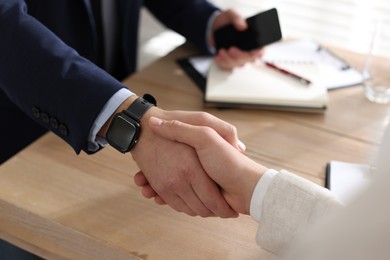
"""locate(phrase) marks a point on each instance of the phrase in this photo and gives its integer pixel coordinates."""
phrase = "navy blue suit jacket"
(47, 50)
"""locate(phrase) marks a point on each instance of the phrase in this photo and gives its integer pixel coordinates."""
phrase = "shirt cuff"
(208, 31)
(94, 141)
(259, 194)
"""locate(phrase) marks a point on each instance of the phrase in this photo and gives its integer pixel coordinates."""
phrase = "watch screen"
(122, 133)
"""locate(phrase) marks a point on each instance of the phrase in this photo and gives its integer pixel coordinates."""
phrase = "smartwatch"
(124, 129)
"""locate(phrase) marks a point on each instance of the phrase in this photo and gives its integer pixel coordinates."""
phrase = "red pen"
(288, 73)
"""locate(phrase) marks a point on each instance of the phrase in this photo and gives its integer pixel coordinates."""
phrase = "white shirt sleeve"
(94, 141)
(208, 30)
(259, 193)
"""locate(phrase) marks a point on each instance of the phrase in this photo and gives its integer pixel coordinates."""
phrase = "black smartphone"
(263, 28)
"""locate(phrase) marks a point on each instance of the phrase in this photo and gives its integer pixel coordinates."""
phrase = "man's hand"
(235, 173)
(232, 57)
(173, 171)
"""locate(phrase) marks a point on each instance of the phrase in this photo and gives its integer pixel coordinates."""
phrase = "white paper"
(347, 180)
(299, 52)
(336, 72)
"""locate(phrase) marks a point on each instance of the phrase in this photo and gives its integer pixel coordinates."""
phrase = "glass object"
(377, 70)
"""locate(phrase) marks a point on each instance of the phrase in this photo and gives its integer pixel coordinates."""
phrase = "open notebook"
(336, 72)
(258, 86)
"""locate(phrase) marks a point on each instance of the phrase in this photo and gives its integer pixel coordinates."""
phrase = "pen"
(288, 73)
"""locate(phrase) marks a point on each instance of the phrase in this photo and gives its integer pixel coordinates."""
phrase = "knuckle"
(174, 183)
(174, 123)
(208, 132)
(231, 130)
(171, 185)
(164, 187)
(204, 116)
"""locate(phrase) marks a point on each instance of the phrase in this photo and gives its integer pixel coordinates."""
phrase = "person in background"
(60, 70)
(287, 207)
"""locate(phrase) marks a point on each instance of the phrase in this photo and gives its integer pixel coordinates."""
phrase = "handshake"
(194, 162)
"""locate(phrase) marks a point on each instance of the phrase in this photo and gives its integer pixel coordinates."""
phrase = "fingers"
(234, 57)
(230, 16)
(200, 138)
(210, 194)
(159, 200)
(225, 130)
(148, 192)
(175, 130)
(203, 195)
(175, 185)
(183, 200)
(196, 193)
(140, 179)
(172, 171)
(236, 19)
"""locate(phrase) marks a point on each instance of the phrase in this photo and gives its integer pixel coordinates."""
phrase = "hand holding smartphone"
(263, 28)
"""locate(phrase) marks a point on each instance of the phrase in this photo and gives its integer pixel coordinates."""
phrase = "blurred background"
(348, 24)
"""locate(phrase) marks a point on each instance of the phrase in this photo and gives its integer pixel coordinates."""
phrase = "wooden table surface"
(66, 206)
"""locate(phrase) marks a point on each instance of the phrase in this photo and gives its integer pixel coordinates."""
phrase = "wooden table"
(60, 205)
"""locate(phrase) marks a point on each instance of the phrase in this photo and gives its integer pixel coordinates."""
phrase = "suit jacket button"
(63, 129)
(35, 112)
(54, 123)
(45, 118)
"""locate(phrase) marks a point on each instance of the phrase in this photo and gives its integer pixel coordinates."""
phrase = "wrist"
(254, 175)
(125, 104)
(259, 193)
(124, 128)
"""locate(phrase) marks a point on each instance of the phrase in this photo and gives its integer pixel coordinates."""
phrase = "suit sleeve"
(291, 206)
(47, 79)
(189, 17)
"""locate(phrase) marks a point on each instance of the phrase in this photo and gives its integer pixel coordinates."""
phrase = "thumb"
(175, 130)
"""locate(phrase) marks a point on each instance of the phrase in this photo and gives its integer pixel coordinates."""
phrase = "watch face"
(123, 133)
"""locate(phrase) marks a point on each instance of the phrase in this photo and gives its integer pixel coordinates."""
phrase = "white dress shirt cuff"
(259, 193)
(209, 31)
(94, 141)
